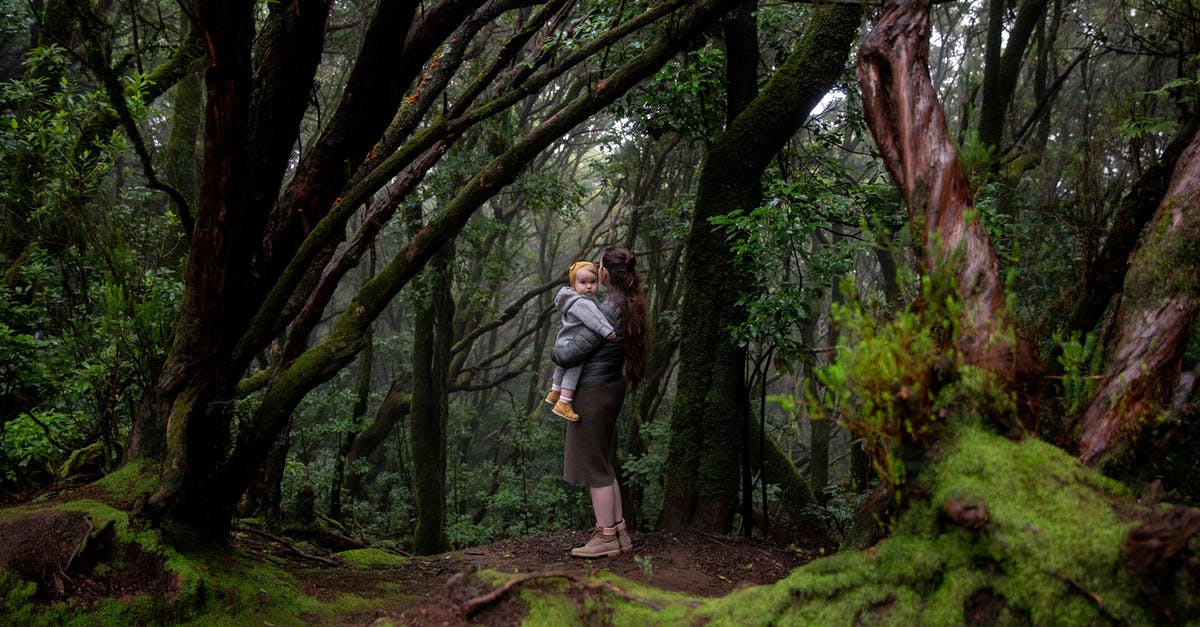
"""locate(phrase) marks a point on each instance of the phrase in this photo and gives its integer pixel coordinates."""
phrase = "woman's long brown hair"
(626, 286)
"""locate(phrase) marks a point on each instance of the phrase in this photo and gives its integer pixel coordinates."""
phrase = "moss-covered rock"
(371, 557)
(88, 461)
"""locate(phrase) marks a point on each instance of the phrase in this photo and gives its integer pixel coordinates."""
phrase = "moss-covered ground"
(995, 532)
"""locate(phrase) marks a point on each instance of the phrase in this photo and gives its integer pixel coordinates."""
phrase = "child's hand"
(612, 336)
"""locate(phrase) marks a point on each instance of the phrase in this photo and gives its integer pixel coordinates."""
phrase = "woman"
(592, 441)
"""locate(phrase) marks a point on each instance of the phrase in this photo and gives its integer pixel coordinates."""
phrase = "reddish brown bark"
(910, 129)
(1160, 300)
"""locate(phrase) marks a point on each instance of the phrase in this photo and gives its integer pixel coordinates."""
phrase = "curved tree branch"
(910, 129)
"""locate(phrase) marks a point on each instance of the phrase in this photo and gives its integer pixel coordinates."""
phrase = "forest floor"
(437, 590)
(431, 590)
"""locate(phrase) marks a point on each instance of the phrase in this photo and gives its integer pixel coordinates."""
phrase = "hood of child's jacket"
(563, 298)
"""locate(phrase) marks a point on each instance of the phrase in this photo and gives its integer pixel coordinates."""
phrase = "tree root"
(473, 606)
(291, 547)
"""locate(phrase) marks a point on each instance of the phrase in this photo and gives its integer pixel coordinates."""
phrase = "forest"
(921, 276)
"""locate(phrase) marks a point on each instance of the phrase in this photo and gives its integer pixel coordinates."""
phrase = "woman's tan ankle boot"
(623, 539)
(602, 543)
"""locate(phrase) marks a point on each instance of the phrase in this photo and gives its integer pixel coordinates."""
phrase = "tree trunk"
(357, 415)
(822, 427)
(796, 494)
(1001, 68)
(196, 381)
(183, 160)
(272, 479)
(1159, 303)
(909, 127)
(712, 400)
(1103, 276)
(427, 421)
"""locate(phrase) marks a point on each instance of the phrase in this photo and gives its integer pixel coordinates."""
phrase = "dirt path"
(435, 588)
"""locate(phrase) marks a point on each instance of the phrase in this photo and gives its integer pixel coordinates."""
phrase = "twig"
(1091, 596)
(79, 549)
(293, 548)
(82, 544)
(46, 429)
(715, 538)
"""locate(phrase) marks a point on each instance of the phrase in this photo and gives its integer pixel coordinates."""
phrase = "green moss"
(102, 514)
(239, 590)
(1039, 501)
(547, 609)
(645, 604)
(134, 479)
(617, 600)
(945, 605)
(90, 456)
(1049, 552)
(372, 557)
(16, 599)
(142, 610)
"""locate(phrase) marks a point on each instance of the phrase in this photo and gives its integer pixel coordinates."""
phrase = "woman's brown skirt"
(592, 442)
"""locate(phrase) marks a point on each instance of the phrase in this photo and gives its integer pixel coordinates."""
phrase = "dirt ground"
(440, 589)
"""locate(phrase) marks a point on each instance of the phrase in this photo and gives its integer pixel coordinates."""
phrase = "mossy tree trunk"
(182, 168)
(1104, 275)
(1160, 299)
(707, 422)
(712, 401)
(432, 334)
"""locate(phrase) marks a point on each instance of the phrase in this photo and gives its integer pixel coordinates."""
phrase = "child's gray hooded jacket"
(579, 314)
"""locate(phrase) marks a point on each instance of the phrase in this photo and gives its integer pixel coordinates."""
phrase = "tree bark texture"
(1103, 276)
(194, 382)
(712, 401)
(428, 416)
(1160, 299)
(910, 130)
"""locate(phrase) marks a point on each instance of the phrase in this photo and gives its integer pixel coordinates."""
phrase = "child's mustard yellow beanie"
(575, 267)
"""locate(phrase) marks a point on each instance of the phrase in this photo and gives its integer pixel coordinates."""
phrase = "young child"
(576, 303)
